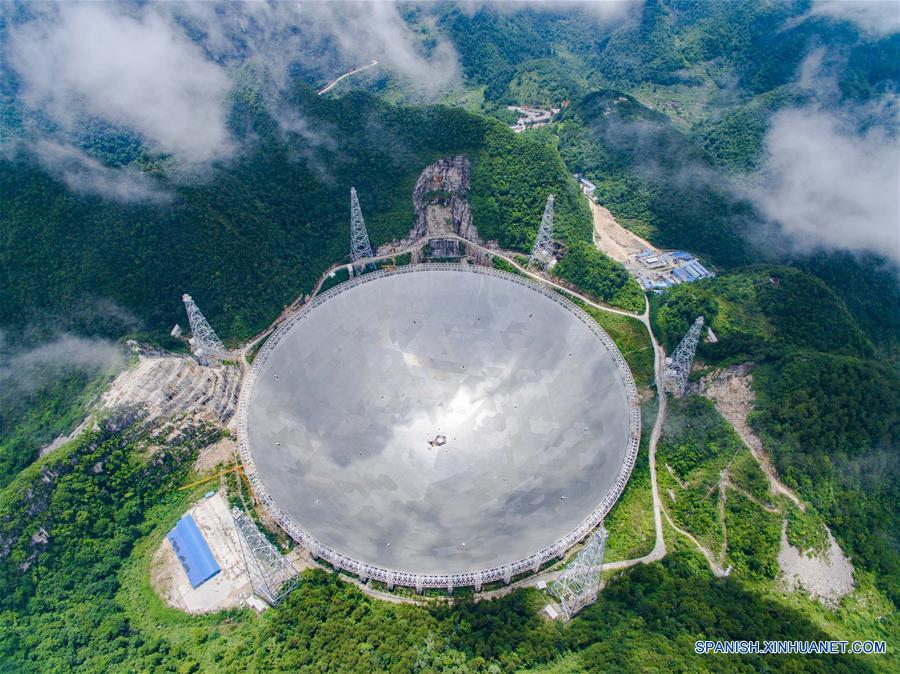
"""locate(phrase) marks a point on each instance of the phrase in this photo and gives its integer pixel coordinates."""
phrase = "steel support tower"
(578, 584)
(678, 365)
(271, 575)
(205, 343)
(543, 244)
(359, 237)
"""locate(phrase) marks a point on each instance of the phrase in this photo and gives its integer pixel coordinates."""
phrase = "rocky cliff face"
(441, 200)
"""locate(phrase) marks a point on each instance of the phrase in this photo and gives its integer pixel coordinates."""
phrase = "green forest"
(80, 528)
(600, 277)
(831, 422)
(245, 243)
(827, 404)
(261, 230)
(512, 177)
(32, 418)
(665, 107)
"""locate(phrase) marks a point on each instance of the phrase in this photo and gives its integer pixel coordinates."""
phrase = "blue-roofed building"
(701, 270)
(663, 269)
(193, 552)
(691, 274)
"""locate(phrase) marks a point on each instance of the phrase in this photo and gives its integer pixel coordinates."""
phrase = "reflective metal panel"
(440, 420)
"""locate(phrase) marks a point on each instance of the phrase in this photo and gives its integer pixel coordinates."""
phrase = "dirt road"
(731, 392)
(331, 85)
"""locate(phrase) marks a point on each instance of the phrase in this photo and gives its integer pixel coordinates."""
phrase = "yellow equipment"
(238, 469)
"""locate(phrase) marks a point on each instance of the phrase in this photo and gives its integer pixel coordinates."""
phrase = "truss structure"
(578, 584)
(678, 365)
(205, 343)
(359, 237)
(543, 245)
(271, 575)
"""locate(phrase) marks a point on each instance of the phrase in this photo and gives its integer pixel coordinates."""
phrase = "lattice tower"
(359, 238)
(205, 343)
(578, 584)
(543, 245)
(271, 575)
(678, 365)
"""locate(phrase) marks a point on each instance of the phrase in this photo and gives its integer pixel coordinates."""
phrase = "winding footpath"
(659, 368)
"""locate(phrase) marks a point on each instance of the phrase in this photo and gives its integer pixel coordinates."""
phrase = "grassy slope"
(698, 445)
(630, 522)
(631, 337)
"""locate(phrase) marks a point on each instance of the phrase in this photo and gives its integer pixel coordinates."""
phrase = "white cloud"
(137, 71)
(164, 72)
(376, 30)
(28, 369)
(278, 34)
(87, 175)
(877, 17)
(604, 10)
(829, 184)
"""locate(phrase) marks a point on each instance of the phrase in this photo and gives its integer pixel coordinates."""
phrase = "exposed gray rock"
(441, 200)
(826, 576)
(163, 386)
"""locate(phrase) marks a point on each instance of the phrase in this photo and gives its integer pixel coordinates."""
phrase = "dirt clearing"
(171, 385)
(616, 241)
(228, 588)
(218, 454)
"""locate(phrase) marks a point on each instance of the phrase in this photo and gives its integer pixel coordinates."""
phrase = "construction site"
(653, 268)
(531, 117)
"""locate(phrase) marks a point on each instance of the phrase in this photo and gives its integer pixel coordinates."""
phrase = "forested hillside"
(33, 416)
(653, 178)
(762, 311)
(245, 242)
(668, 107)
(701, 82)
(80, 528)
(827, 403)
(259, 231)
(832, 425)
(719, 67)
(600, 277)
